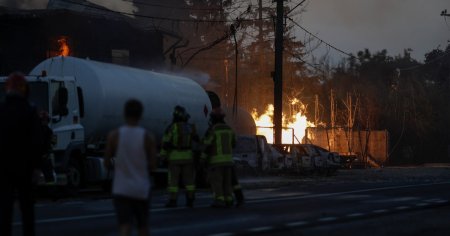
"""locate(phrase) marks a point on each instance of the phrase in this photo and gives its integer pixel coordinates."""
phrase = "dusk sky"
(352, 25)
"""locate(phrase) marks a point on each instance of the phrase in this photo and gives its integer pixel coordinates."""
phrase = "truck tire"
(74, 175)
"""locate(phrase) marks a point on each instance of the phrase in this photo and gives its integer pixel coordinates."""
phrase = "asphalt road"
(417, 207)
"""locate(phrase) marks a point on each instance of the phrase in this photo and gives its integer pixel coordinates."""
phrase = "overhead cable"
(427, 63)
(295, 7)
(321, 40)
(160, 18)
(143, 3)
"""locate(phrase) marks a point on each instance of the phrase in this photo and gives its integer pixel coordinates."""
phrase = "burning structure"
(30, 36)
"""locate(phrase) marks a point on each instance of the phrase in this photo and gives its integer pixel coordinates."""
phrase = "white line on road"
(356, 215)
(222, 234)
(296, 224)
(379, 211)
(260, 229)
(84, 217)
(402, 207)
(327, 219)
(345, 192)
(61, 219)
(422, 204)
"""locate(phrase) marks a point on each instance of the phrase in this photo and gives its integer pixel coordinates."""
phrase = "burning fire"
(294, 125)
(64, 49)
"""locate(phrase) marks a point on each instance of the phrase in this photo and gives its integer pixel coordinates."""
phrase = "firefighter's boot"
(190, 197)
(239, 197)
(218, 204)
(171, 203)
(172, 200)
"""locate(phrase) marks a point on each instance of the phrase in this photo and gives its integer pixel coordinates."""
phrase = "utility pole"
(278, 78)
(226, 83)
(333, 118)
(316, 110)
(260, 22)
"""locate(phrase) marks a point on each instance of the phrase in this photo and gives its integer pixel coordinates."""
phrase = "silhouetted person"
(177, 148)
(218, 149)
(20, 154)
(133, 149)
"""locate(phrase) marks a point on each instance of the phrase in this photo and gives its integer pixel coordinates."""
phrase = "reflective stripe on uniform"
(172, 189)
(190, 188)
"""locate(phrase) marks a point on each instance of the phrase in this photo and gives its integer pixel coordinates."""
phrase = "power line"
(158, 17)
(295, 7)
(427, 63)
(321, 40)
(307, 63)
(174, 7)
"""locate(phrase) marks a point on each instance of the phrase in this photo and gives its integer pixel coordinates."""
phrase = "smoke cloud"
(116, 5)
(353, 25)
(24, 4)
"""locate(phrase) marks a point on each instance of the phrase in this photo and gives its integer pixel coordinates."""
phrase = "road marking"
(399, 199)
(356, 215)
(327, 219)
(84, 217)
(61, 219)
(433, 200)
(296, 224)
(343, 193)
(73, 203)
(353, 196)
(442, 201)
(261, 229)
(379, 211)
(422, 204)
(222, 234)
(402, 207)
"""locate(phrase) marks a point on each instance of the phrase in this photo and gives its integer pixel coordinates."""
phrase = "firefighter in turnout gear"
(218, 146)
(177, 146)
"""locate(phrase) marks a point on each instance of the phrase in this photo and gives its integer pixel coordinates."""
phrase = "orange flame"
(294, 125)
(64, 49)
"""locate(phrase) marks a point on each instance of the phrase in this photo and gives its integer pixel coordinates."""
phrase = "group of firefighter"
(187, 154)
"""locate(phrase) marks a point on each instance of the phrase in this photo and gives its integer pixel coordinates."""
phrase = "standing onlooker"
(20, 147)
(134, 151)
(177, 145)
(218, 143)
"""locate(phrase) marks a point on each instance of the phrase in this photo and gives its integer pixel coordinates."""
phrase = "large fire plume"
(294, 126)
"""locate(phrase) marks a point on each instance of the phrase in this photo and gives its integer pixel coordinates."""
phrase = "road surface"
(413, 206)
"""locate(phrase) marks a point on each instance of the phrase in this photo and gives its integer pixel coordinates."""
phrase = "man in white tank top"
(135, 157)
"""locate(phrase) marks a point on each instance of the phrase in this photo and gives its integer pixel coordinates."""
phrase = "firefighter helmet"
(217, 115)
(180, 114)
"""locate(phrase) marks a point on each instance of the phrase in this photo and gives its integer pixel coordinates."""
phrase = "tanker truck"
(85, 99)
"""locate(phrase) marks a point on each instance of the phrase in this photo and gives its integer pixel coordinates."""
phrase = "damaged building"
(84, 31)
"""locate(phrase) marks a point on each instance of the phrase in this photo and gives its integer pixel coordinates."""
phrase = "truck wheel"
(74, 175)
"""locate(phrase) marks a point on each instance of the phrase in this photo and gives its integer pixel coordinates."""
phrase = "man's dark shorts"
(129, 209)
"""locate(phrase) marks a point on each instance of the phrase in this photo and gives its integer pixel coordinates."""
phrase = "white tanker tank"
(85, 99)
(106, 88)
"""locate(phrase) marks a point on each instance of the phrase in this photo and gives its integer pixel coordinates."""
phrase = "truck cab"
(61, 99)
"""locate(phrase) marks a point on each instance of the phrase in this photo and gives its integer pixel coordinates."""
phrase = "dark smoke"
(24, 4)
(117, 5)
